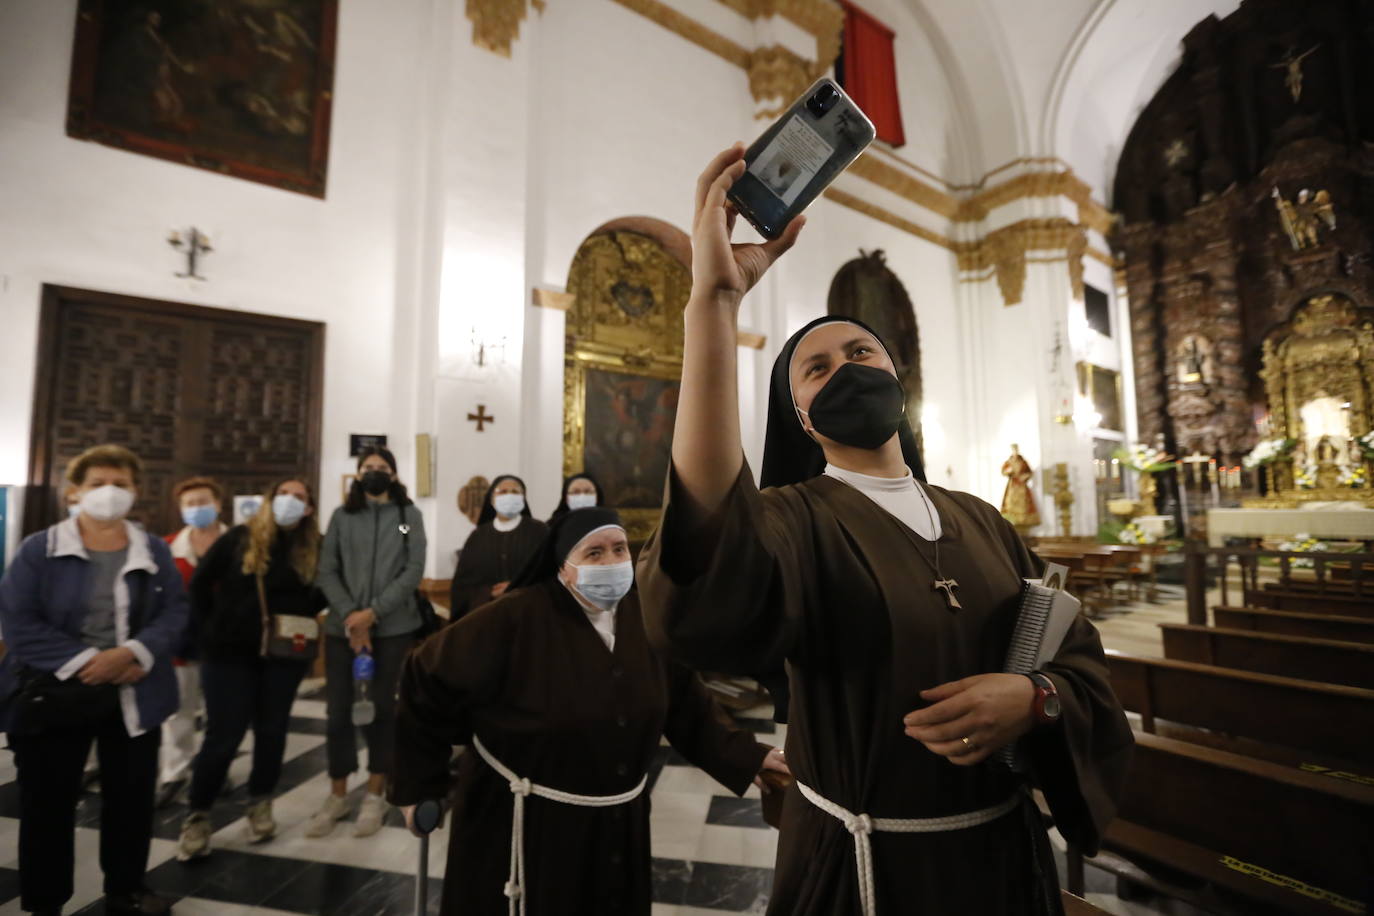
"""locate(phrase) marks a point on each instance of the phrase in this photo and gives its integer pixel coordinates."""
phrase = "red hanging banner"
(870, 72)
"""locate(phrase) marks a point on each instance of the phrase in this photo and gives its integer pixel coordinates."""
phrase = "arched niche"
(867, 289)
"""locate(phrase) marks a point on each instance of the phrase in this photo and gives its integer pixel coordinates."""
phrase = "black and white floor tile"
(713, 854)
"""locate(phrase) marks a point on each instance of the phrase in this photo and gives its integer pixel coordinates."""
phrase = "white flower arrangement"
(1304, 543)
(1306, 477)
(1352, 476)
(1134, 534)
(1267, 451)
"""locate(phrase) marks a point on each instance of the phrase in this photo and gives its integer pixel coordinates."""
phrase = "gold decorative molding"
(881, 214)
(777, 76)
(750, 339)
(686, 27)
(496, 23)
(552, 299)
(902, 184)
(1004, 252)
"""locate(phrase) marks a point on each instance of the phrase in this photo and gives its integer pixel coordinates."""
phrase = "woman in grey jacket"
(370, 566)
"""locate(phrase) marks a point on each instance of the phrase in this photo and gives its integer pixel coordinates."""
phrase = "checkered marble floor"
(713, 854)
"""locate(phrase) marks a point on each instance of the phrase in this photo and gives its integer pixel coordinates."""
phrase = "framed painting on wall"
(1102, 387)
(240, 87)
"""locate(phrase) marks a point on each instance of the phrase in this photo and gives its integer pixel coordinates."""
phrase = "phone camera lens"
(822, 100)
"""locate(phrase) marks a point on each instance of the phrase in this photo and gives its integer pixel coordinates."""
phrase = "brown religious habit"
(489, 557)
(530, 677)
(820, 576)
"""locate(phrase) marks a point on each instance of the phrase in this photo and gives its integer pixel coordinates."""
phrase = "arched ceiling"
(1064, 79)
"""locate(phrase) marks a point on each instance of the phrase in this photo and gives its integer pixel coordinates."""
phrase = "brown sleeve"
(458, 669)
(725, 596)
(467, 592)
(703, 733)
(1080, 763)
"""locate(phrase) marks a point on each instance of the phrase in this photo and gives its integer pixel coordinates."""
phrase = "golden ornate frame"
(1326, 349)
(629, 288)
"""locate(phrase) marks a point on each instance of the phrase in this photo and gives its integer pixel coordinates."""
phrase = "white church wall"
(86, 215)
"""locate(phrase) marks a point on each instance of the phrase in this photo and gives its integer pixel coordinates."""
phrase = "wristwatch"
(1045, 705)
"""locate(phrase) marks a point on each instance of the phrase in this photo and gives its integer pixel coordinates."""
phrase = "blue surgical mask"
(604, 586)
(581, 500)
(287, 509)
(199, 516)
(508, 505)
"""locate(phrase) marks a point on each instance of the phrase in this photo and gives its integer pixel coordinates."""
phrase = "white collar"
(869, 482)
(181, 544)
(67, 543)
(506, 526)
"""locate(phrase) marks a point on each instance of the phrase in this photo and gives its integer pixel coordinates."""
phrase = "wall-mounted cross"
(481, 418)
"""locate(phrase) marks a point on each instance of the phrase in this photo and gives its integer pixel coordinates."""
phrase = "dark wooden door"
(233, 395)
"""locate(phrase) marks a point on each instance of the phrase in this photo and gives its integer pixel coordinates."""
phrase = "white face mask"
(287, 509)
(581, 500)
(604, 586)
(108, 503)
(508, 505)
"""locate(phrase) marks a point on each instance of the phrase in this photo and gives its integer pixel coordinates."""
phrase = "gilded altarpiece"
(1246, 189)
(622, 369)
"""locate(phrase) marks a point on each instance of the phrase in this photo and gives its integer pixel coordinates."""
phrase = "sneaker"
(195, 837)
(261, 826)
(370, 815)
(140, 904)
(322, 821)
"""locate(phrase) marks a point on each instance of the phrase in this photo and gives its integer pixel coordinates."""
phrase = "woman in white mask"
(507, 535)
(93, 611)
(563, 702)
(580, 491)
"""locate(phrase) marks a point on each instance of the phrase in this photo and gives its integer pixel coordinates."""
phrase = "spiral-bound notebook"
(1047, 611)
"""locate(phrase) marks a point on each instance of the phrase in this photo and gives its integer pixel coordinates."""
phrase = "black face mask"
(860, 406)
(376, 482)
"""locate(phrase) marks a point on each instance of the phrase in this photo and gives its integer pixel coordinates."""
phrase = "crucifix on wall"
(481, 418)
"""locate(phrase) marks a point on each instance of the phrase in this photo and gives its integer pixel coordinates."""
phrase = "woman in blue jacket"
(92, 612)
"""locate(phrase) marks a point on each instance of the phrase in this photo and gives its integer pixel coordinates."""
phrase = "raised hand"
(721, 270)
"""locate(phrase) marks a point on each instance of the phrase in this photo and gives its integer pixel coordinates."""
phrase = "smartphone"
(799, 156)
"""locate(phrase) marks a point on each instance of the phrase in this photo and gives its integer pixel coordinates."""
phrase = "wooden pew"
(1077, 906)
(1293, 623)
(1303, 716)
(1306, 602)
(1252, 835)
(1298, 657)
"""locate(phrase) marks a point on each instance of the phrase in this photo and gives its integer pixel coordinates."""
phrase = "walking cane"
(426, 818)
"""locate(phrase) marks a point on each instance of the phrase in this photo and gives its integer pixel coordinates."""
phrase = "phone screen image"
(791, 159)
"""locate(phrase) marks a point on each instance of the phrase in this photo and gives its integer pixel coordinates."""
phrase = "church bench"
(1240, 834)
(1077, 906)
(1332, 721)
(1326, 660)
(1294, 623)
(1309, 602)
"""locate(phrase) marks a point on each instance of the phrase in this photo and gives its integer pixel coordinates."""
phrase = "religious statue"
(1018, 502)
(1301, 220)
(1292, 63)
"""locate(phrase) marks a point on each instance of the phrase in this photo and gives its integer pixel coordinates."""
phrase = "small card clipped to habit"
(1047, 612)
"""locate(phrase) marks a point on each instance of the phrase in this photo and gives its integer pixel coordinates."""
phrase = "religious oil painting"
(629, 435)
(239, 87)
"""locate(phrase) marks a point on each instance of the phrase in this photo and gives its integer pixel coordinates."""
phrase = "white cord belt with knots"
(522, 788)
(861, 825)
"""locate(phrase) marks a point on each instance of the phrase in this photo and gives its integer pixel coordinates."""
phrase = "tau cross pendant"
(948, 586)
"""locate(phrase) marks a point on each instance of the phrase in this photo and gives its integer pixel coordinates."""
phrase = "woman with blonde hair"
(255, 573)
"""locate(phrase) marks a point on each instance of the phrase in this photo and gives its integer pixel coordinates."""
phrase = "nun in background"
(891, 604)
(507, 535)
(563, 702)
(580, 491)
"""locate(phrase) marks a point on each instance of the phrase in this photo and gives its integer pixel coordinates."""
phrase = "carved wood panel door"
(232, 395)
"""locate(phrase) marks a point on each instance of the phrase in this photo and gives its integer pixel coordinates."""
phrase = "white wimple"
(861, 825)
(521, 789)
